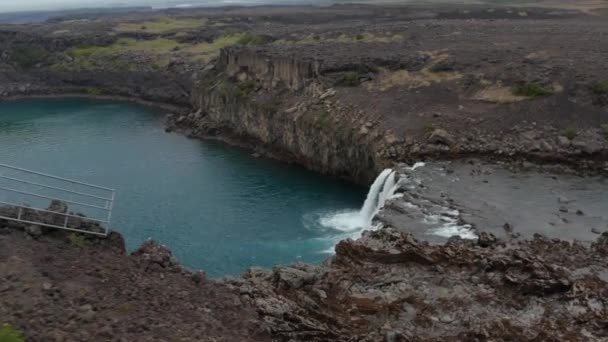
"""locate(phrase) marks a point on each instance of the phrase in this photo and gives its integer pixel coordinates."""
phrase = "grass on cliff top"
(425, 77)
(161, 25)
(364, 37)
(208, 51)
(600, 88)
(532, 89)
(497, 93)
(159, 45)
(9, 334)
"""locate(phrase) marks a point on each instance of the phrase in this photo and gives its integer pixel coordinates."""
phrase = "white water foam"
(352, 223)
(448, 231)
(416, 165)
(371, 201)
(347, 221)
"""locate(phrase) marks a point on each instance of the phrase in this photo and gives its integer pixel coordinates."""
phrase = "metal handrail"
(55, 188)
(54, 177)
(52, 212)
(50, 218)
(54, 198)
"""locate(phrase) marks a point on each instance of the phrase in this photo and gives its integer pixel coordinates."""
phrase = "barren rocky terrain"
(386, 286)
(345, 90)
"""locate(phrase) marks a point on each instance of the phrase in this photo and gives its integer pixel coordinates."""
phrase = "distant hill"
(42, 16)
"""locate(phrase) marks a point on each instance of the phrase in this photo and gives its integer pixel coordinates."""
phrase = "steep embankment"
(277, 105)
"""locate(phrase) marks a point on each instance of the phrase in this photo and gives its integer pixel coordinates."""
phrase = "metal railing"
(37, 198)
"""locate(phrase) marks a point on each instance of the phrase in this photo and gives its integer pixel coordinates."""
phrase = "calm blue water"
(216, 207)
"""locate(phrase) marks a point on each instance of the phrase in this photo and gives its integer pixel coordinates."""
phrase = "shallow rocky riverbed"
(442, 199)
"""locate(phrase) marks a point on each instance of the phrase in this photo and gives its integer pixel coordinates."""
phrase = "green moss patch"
(244, 91)
(208, 51)
(267, 106)
(600, 88)
(350, 79)
(532, 89)
(604, 130)
(570, 133)
(9, 334)
(161, 25)
(365, 37)
(159, 45)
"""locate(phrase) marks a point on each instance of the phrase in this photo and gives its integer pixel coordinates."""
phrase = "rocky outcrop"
(387, 286)
(278, 107)
(272, 71)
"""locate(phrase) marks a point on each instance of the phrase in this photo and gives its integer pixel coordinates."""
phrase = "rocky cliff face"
(279, 107)
(273, 71)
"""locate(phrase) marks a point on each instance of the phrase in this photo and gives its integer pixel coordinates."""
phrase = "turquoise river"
(216, 207)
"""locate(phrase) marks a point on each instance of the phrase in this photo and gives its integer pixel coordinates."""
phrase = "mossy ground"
(533, 89)
(9, 334)
(363, 37)
(157, 52)
(161, 25)
(600, 88)
(425, 77)
(158, 45)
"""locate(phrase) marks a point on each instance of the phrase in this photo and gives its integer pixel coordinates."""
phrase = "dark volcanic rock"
(382, 286)
(55, 291)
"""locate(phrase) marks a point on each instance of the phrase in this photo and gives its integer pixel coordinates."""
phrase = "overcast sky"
(26, 5)
(44, 5)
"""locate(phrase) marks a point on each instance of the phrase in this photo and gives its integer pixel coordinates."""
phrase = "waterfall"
(376, 196)
(356, 221)
(387, 190)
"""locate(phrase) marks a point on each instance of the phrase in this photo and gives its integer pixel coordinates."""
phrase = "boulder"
(34, 230)
(562, 141)
(291, 277)
(441, 136)
(327, 94)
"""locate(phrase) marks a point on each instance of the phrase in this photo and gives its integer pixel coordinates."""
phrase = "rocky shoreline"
(157, 105)
(385, 286)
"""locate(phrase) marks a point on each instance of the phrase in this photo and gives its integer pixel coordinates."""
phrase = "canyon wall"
(278, 106)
